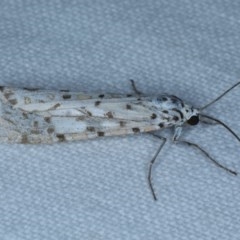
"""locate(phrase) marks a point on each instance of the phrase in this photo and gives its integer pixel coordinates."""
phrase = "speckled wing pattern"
(42, 116)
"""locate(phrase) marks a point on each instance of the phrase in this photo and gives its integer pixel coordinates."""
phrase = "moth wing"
(51, 116)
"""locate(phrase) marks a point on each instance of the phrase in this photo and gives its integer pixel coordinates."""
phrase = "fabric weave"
(98, 189)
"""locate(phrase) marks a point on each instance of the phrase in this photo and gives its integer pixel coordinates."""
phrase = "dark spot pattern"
(165, 111)
(50, 130)
(91, 129)
(135, 130)
(101, 96)
(89, 113)
(122, 123)
(56, 106)
(129, 95)
(175, 118)
(47, 119)
(128, 106)
(97, 103)
(109, 114)
(67, 96)
(100, 134)
(154, 116)
(161, 125)
(61, 137)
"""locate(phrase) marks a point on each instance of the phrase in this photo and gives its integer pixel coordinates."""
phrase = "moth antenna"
(221, 123)
(223, 94)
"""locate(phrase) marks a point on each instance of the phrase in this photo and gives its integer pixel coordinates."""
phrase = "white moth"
(42, 116)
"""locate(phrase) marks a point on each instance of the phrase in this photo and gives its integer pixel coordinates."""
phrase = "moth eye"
(194, 120)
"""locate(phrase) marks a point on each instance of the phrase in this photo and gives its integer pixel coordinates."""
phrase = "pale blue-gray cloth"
(97, 189)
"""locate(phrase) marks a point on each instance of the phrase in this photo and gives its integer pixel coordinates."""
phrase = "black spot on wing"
(175, 118)
(91, 129)
(47, 119)
(135, 130)
(100, 134)
(89, 113)
(154, 116)
(67, 96)
(56, 106)
(97, 103)
(61, 137)
(128, 106)
(50, 130)
(109, 114)
(161, 125)
(122, 123)
(101, 96)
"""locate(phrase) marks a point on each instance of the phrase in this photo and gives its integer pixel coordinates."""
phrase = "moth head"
(193, 120)
(192, 115)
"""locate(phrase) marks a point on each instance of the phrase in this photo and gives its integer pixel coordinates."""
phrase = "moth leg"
(152, 163)
(207, 155)
(135, 88)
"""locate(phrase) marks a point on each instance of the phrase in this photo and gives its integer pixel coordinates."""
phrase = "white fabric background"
(97, 189)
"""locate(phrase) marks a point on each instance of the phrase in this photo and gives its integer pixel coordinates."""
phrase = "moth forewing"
(45, 116)
(54, 116)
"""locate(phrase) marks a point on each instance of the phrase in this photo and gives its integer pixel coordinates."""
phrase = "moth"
(34, 116)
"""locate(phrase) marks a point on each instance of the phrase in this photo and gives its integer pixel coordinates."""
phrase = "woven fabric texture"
(97, 189)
